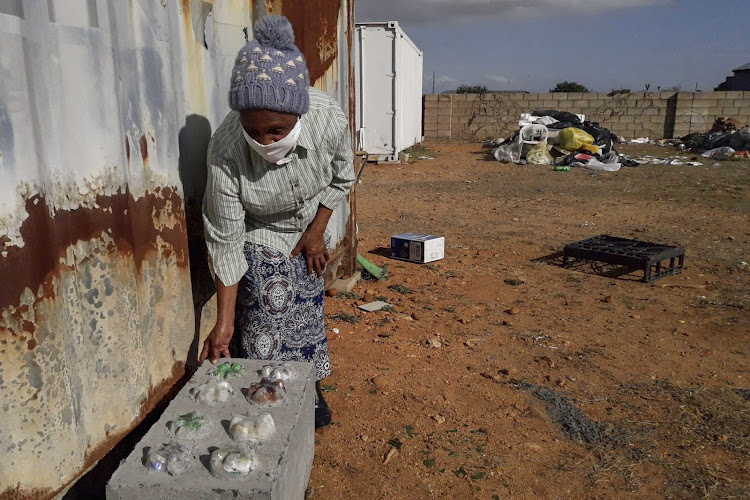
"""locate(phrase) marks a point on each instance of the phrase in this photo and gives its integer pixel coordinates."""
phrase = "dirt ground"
(502, 374)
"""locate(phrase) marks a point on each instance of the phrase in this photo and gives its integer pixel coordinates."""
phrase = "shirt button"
(295, 184)
(299, 216)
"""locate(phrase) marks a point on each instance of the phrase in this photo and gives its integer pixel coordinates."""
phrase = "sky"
(603, 44)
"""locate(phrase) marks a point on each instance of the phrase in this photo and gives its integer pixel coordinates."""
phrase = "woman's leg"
(280, 316)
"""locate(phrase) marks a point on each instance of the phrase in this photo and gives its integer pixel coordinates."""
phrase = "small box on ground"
(418, 248)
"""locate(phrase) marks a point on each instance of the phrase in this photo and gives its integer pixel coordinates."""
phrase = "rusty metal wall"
(106, 109)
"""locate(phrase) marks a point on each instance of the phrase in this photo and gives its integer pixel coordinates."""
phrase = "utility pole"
(433, 82)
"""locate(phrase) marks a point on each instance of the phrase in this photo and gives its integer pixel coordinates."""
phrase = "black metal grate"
(650, 257)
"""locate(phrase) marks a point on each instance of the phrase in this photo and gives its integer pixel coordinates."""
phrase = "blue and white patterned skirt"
(279, 314)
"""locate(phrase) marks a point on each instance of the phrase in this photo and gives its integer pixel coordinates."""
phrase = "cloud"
(442, 82)
(498, 82)
(433, 11)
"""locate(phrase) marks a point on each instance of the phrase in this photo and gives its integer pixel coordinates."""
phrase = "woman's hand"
(217, 343)
(312, 245)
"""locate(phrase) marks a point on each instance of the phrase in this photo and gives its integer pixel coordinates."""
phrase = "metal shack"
(389, 90)
(106, 110)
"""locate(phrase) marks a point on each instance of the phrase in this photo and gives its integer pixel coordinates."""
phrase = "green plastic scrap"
(228, 370)
(379, 273)
(191, 421)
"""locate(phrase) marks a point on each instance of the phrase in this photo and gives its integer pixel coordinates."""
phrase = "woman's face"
(267, 127)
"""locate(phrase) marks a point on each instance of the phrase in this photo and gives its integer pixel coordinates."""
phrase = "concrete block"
(447, 111)
(704, 103)
(430, 105)
(684, 96)
(431, 97)
(578, 103)
(285, 458)
(443, 134)
(472, 97)
(347, 284)
(708, 96)
(729, 111)
(531, 97)
(459, 97)
(445, 97)
(627, 119)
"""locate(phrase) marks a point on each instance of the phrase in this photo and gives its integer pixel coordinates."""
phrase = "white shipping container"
(388, 79)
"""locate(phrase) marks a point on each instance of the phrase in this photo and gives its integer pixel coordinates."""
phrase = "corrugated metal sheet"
(106, 109)
(388, 67)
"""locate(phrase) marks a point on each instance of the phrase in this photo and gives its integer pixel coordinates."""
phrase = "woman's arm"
(224, 223)
(313, 242)
(217, 343)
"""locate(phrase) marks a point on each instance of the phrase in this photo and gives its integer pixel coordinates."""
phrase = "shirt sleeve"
(224, 221)
(343, 166)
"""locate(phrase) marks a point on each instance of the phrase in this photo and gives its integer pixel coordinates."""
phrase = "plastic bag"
(191, 426)
(598, 132)
(594, 164)
(538, 155)
(591, 148)
(506, 154)
(172, 458)
(212, 392)
(246, 428)
(561, 116)
(573, 138)
(724, 153)
(233, 462)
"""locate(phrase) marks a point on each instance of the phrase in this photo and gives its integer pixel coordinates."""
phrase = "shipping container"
(106, 110)
(389, 90)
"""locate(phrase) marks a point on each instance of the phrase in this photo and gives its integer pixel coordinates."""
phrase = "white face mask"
(276, 151)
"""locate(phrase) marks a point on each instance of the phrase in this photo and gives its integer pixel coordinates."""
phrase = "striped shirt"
(251, 200)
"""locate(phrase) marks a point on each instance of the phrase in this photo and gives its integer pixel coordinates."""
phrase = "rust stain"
(144, 147)
(315, 25)
(161, 393)
(129, 222)
(16, 493)
(127, 148)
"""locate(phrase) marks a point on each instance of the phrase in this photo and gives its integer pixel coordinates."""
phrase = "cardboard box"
(419, 248)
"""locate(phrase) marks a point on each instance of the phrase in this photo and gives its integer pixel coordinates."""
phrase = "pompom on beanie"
(270, 72)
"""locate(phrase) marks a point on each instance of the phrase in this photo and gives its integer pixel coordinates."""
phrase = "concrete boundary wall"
(638, 114)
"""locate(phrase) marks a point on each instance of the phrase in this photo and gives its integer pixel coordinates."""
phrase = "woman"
(278, 166)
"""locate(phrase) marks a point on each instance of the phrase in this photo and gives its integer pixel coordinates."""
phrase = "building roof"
(742, 68)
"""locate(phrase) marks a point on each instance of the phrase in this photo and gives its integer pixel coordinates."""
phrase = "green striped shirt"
(249, 199)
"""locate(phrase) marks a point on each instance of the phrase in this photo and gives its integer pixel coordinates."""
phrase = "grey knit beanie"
(270, 72)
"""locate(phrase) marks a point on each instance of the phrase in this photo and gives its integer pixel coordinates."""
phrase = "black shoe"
(323, 414)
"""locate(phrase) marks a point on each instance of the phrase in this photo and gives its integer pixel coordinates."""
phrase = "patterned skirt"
(279, 313)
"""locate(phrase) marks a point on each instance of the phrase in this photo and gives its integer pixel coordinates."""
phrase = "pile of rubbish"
(726, 144)
(562, 139)
(565, 139)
